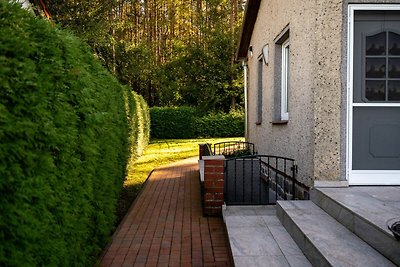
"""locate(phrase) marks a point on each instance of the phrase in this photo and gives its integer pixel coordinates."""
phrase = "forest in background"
(172, 52)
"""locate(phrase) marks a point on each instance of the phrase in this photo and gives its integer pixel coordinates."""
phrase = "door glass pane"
(394, 91)
(375, 90)
(376, 44)
(375, 67)
(394, 67)
(394, 44)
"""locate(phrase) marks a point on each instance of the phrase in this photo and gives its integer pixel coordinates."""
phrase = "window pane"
(394, 90)
(376, 44)
(394, 44)
(259, 92)
(375, 67)
(394, 67)
(285, 81)
(375, 90)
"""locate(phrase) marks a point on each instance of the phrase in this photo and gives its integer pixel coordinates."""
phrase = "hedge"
(185, 122)
(220, 125)
(63, 144)
(172, 122)
(138, 114)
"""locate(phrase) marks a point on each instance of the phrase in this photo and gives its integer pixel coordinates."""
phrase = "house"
(323, 87)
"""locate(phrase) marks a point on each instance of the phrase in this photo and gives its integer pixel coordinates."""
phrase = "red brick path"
(165, 226)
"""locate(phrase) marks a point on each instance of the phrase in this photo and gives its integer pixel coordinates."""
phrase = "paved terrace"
(165, 226)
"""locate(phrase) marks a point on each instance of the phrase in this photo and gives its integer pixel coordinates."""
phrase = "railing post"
(204, 150)
(213, 185)
(294, 171)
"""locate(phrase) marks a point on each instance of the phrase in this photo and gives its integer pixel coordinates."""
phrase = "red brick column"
(213, 185)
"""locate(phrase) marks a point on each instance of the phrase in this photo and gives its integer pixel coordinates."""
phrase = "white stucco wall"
(316, 132)
(312, 135)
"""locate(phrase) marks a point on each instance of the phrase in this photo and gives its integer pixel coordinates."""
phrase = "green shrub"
(63, 144)
(138, 115)
(172, 122)
(184, 122)
(220, 125)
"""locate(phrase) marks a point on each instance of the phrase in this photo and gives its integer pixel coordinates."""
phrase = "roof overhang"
(250, 17)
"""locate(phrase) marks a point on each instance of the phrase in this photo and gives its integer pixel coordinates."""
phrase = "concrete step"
(365, 211)
(257, 238)
(323, 240)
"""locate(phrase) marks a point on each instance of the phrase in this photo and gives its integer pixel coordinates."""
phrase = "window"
(382, 68)
(282, 72)
(259, 92)
(285, 81)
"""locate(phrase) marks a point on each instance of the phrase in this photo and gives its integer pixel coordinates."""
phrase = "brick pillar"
(213, 185)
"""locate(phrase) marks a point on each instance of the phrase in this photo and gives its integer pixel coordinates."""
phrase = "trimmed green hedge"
(185, 122)
(138, 114)
(172, 122)
(220, 125)
(63, 144)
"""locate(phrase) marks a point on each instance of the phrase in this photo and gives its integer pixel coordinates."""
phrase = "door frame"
(388, 177)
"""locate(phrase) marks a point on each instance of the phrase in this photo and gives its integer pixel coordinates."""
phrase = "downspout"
(244, 63)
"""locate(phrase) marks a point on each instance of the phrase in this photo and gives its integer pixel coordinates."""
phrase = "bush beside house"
(220, 125)
(172, 122)
(186, 122)
(64, 128)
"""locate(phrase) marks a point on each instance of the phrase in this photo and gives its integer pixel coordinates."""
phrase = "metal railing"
(261, 180)
(234, 149)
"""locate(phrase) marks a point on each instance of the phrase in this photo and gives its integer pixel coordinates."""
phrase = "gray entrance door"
(376, 97)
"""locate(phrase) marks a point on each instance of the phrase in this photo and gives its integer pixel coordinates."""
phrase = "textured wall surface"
(312, 135)
(316, 132)
(327, 89)
(296, 138)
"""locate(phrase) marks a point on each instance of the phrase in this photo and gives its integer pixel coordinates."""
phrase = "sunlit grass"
(156, 154)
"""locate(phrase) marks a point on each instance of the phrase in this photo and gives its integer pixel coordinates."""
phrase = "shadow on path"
(165, 225)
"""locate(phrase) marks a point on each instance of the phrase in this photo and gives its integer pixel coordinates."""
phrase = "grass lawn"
(156, 154)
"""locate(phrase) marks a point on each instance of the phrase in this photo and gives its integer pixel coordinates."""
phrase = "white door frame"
(361, 177)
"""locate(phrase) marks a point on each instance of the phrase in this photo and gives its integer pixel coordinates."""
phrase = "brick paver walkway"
(165, 226)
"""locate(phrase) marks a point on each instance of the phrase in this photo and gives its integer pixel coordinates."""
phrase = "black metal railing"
(261, 180)
(234, 149)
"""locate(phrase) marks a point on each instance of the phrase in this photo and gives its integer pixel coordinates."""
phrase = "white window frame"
(259, 110)
(285, 80)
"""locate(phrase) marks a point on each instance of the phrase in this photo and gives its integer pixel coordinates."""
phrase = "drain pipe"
(244, 63)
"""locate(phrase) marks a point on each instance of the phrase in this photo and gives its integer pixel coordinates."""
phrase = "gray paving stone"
(265, 210)
(328, 239)
(298, 261)
(271, 220)
(262, 261)
(365, 211)
(284, 241)
(239, 210)
(260, 240)
(244, 221)
(248, 241)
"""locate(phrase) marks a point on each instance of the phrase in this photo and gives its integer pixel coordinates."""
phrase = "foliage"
(186, 122)
(220, 125)
(203, 78)
(63, 150)
(172, 52)
(172, 122)
(159, 153)
(138, 115)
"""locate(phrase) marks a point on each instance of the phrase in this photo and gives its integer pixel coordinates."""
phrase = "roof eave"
(250, 17)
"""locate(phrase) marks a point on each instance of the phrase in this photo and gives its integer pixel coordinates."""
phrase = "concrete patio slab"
(257, 238)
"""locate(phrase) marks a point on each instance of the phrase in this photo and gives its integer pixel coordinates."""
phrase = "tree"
(172, 52)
